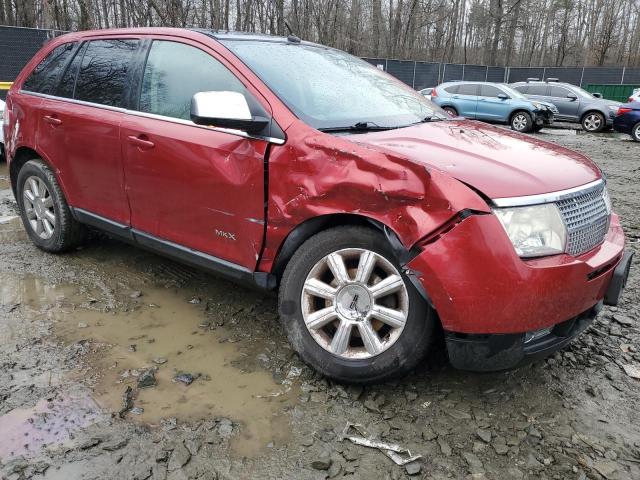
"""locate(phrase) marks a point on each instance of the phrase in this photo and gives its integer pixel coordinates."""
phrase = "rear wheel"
(451, 111)
(635, 133)
(44, 210)
(594, 122)
(521, 122)
(348, 309)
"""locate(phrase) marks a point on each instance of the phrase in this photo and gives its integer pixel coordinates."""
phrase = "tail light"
(630, 99)
(623, 110)
(434, 93)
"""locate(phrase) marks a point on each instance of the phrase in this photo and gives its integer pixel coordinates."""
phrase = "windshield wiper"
(357, 127)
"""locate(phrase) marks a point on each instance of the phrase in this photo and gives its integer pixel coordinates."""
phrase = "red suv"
(293, 166)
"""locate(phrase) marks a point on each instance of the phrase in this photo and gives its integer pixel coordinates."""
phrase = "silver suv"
(574, 104)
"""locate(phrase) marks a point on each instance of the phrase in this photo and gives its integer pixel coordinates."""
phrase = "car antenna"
(292, 38)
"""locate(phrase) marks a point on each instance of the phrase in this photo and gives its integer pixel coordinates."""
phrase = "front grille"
(586, 215)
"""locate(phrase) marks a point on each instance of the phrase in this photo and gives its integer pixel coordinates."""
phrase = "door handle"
(141, 142)
(53, 121)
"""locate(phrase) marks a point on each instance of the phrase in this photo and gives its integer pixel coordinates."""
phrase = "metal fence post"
(414, 75)
(581, 77)
(462, 72)
(624, 70)
(444, 71)
(486, 73)
(544, 72)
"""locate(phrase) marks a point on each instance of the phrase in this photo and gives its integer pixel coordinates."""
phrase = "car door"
(490, 107)
(80, 127)
(466, 99)
(188, 185)
(567, 107)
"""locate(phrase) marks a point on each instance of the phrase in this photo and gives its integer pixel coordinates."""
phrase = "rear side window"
(468, 89)
(104, 71)
(44, 77)
(537, 90)
(452, 89)
(68, 81)
(489, 91)
(558, 92)
(175, 72)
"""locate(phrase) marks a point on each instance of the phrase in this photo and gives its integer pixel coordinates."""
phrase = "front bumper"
(543, 117)
(483, 291)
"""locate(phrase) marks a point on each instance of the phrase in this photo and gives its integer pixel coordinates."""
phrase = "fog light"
(531, 336)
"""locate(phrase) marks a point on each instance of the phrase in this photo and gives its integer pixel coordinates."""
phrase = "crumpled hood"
(498, 162)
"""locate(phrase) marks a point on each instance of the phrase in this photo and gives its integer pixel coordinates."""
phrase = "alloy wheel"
(592, 122)
(519, 122)
(38, 207)
(355, 303)
(636, 133)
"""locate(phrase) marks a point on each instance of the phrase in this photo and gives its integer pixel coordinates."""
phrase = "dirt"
(77, 330)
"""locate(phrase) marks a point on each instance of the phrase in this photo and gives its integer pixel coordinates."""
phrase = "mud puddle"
(160, 329)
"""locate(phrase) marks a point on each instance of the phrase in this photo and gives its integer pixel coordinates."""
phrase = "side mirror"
(503, 96)
(225, 110)
(572, 96)
(597, 94)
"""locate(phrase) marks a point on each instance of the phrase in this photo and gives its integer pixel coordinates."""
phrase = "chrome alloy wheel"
(38, 206)
(519, 122)
(355, 303)
(592, 122)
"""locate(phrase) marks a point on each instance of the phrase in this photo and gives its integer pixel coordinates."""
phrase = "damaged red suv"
(293, 166)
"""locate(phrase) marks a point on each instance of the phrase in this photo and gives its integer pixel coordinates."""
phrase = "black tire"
(521, 121)
(593, 122)
(635, 132)
(451, 111)
(398, 359)
(67, 232)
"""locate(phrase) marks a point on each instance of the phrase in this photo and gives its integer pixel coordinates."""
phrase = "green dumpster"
(616, 92)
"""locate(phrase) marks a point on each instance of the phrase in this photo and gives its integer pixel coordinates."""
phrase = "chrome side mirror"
(225, 110)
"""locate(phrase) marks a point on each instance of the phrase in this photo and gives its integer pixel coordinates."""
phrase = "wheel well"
(22, 156)
(592, 111)
(451, 107)
(309, 228)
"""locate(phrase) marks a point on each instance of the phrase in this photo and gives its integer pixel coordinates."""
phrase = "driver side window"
(174, 72)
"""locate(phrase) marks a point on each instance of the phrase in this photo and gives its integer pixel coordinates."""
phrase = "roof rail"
(533, 79)
(552, 80)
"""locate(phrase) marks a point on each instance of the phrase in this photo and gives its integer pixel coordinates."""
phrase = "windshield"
(330, 89)
(512, 92)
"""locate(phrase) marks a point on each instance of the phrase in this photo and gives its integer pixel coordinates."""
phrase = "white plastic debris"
(632, 371)
(400, 455)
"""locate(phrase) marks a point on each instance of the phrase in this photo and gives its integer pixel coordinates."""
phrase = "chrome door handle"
(141, 142)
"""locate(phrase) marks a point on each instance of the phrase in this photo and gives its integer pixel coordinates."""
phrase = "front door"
(490, 106)
(567, 107)
(191, 185)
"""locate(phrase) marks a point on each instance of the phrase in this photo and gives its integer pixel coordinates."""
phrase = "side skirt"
(195, 258)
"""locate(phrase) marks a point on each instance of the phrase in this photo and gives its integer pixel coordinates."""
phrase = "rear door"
(191, 185)
(490, 107)
(80, 126)
(568, 108)
(466, 99)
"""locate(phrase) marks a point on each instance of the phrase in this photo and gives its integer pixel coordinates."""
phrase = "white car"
(1, 131)
(635, 96)
(427, 92)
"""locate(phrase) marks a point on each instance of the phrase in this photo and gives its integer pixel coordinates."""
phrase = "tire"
(635, 132)
(521, 121)
(353, 361)
(451, 111)
(40, 197)
(593, 122)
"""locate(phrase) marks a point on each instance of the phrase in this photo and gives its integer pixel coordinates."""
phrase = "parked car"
(427, 92)
(293, 166)
(1, 131)
(574, 104)
(493, 102)
(628, 120)
(635, 96)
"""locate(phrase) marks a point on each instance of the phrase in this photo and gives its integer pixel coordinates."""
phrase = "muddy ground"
(77, 330)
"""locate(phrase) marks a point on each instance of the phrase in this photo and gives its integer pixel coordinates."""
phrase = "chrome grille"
(586, 214)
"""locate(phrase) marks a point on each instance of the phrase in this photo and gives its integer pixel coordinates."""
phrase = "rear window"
(468, 89)
(104, 71)
(44, 77)
(537, 90)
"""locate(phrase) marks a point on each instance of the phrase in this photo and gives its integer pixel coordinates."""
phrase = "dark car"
(628, 120)
(574, 103)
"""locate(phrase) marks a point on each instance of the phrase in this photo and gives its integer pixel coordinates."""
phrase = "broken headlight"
(534, 231)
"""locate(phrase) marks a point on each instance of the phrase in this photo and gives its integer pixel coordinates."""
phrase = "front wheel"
(594, 122)
(349, 310)
(635, 133)
(521, 122)
(451, 111)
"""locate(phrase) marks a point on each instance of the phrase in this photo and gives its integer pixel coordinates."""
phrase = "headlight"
(534, 231)
(538, 106)
(613, 108)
